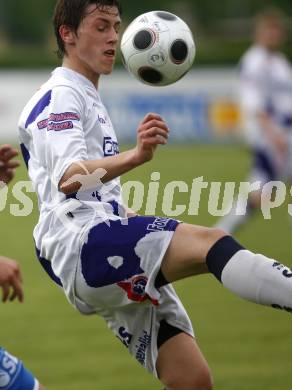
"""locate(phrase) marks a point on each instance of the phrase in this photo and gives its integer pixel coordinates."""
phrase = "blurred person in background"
(13, 375)
(265, 91)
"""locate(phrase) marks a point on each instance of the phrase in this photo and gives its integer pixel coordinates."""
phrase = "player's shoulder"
(64, 81)
(59, 91)
(253, 59)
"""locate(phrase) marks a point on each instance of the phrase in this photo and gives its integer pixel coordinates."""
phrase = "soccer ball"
(158, 48)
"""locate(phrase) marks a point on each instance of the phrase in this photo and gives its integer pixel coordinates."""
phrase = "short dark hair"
(71, 13)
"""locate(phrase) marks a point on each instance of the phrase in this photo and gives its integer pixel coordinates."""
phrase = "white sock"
(258, 279)
(251, 276)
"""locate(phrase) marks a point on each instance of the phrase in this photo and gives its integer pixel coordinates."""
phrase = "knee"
(195, 380)
(212, 235)
(202, 381)
(216, 233)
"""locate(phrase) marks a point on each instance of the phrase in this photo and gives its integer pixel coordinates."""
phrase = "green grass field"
(248, 347)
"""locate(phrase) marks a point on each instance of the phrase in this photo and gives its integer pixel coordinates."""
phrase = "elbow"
(67, 185)
(66, 190)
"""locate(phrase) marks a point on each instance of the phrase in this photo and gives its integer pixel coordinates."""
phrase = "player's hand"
(152, 132)
(7, 166)
(10, 280)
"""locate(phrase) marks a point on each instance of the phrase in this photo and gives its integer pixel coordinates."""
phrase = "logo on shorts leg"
(158, 225)
(135, 289)
(143, 342)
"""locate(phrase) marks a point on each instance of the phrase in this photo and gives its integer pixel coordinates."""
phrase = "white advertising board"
(200, 107)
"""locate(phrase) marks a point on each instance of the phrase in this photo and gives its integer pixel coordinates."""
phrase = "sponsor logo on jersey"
(135, 289)
(102, 119)
(59, 122)
(143, 343)
(52, 126)
(110, 147)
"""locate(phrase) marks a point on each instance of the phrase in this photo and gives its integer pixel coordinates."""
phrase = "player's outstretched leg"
(195, 250)
(181, 365)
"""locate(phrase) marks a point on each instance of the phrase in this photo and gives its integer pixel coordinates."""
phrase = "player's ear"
(67, 35)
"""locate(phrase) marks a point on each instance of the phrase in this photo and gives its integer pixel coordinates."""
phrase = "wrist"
(135, 158)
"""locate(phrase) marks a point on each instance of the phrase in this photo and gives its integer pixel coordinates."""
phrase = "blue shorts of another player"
(13, 374)
(263, 163)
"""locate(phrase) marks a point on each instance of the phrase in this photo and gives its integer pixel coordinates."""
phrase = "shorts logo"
(135, 289)
(144, 342)
(110, 147)
(158, 225)
(125, 336)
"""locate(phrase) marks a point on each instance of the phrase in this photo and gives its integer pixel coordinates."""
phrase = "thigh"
(187, 252)
(181, 364)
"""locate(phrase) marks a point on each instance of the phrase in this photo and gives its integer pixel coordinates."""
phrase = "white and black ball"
(158, 48)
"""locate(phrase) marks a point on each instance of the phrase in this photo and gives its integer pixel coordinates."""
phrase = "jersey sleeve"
(65, 139)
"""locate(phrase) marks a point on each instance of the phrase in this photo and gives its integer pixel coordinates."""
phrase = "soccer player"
(13, 375)
(266, 99)
(107, 261)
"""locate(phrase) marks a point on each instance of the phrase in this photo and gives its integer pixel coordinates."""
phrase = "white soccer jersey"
(265, 85)
(65, 122)
(108, 268)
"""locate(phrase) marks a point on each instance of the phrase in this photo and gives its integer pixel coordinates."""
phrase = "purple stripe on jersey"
(25, 154)
(39, 108)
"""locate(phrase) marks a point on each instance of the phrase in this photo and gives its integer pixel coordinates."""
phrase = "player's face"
(271, 35)
(95, 43)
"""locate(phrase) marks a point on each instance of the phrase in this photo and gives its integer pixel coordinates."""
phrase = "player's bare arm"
(152, 132)
(10, 280)
(7, 164)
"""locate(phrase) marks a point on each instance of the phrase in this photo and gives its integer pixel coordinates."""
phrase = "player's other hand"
(152, 132)
(7, 166)
(10, 280)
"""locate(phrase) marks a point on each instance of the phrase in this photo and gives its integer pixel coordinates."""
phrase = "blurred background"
(206, 97)
(222, 29)
(248, 347)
